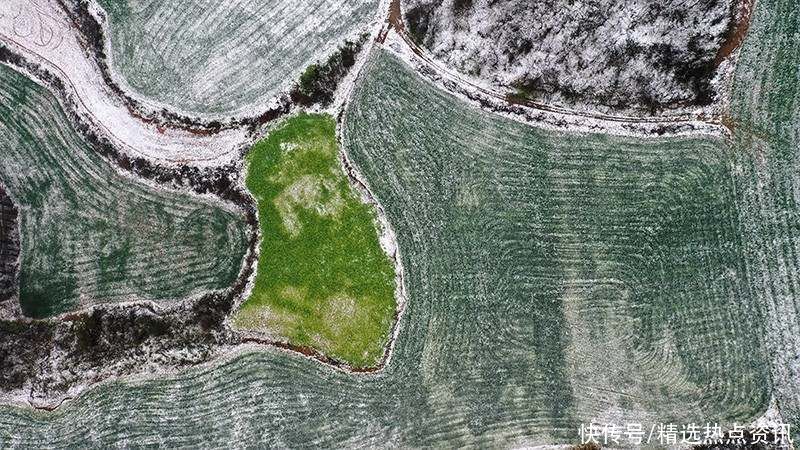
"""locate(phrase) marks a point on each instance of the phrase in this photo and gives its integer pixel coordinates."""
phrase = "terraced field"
(212, 57)
(323, 280)
(91, 235)
(552, 279)
(766, 123)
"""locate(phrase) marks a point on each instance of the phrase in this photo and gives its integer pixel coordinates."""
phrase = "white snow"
(608, 52)
(482, 95)
(42, 33)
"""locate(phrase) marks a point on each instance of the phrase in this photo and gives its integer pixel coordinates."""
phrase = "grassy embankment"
(323, 281)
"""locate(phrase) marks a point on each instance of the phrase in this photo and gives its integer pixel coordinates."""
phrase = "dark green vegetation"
(9, 246)
(479, 378)
(91, 235)
(323, 280)
(319, 81)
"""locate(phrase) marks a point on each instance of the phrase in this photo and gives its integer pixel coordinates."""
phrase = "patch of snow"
(606, 53)
(544, 115)
(42, 33)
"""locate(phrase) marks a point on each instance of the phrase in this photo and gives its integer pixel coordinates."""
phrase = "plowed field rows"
(90, 235)
(552, 279)
(213, 57)
(766, 123)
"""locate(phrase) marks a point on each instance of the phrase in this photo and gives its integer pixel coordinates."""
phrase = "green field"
(552, 279)
(211, 57)
(606, 275)
(765, 113)
(91, 235)
(323, 280)
(689, 312)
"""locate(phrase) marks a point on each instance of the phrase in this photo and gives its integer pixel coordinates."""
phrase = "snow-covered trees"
(606, 54)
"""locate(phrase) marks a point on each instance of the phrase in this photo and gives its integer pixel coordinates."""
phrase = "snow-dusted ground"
(545, 115)
(210, 58)
(42, 33)
(626, 55)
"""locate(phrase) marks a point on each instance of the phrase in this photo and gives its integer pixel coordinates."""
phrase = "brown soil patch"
(394, 20)
(396, 15)
(738, 31)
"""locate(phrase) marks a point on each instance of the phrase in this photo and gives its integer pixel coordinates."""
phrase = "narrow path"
(395, 23)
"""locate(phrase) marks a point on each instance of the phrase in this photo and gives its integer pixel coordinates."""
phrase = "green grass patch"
(323, 280)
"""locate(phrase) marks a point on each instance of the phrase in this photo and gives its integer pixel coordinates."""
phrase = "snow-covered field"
(40, 31)
(221, 58)
(625, 55)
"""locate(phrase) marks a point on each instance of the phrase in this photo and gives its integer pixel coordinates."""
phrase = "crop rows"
(91, 235)
(766, 135)
(606, 276)
(213, 57)
(552, 279)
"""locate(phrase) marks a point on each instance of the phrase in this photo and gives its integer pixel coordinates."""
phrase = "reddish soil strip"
(396, 15)
(394, 20)
(738, 31)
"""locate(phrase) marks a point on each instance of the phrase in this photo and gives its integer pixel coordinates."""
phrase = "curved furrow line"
(531, 307)
(765, 117)
(85, 225)
(206, 56)
(576, 240)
